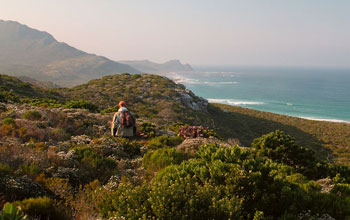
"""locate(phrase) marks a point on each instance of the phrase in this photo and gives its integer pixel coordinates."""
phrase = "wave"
(325, 119)
(189, 81)
(234, 102)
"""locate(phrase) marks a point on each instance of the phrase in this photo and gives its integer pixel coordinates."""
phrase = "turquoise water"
(314, 93)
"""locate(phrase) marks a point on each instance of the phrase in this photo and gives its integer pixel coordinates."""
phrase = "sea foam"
(234, 102)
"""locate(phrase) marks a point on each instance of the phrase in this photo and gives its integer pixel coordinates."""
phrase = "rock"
(192, 101)
(326, 184)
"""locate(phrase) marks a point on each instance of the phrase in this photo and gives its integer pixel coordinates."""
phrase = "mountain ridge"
(37, 54)
(148, 66)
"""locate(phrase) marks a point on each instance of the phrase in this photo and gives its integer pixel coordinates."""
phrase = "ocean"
(312, 93)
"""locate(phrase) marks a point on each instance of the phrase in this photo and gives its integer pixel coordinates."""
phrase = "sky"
(199, 32)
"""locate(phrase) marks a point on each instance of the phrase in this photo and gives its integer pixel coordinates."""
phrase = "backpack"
(126, 119)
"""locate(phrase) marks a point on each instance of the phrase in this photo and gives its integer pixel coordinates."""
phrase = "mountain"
(36, 54)
(151, 67)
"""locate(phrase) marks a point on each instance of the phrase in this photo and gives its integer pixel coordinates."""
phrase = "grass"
(328, 139)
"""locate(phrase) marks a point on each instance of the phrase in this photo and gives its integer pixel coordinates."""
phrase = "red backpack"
(126, 119)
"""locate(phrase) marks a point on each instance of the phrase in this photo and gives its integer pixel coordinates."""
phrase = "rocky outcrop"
(189, 99)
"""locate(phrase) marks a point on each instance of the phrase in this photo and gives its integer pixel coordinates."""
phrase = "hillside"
(12, 86)
(328, 139)
(37, 83)
(58, 161)
(36, 54)
(150, 96)
(160, 100)
(147, 66)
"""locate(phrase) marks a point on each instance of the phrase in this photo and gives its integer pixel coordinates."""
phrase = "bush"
(29, 170)
(96, 166)
(127, 202)
(146, 129)
(196, 131)
(45, 102)
(12, 212)
(32, 115)
(6, 96)
(82, 104)
(41, 207)
(131, 148)
(8, 121)
(175, 127)
(164, 141)
(280, 147)
(5, 169)
(8, 127)
(156, 160)
(110, 109)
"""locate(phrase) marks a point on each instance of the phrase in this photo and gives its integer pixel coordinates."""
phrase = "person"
(123, 123)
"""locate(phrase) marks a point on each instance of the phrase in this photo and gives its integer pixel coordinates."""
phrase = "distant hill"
(11, 84)
(151, 67)
(37, 83)
(37, 54)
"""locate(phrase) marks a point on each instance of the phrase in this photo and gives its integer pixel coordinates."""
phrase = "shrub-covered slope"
(150, 96)
(160, 100)
(13, 88)
(330, 140)
(58, 161)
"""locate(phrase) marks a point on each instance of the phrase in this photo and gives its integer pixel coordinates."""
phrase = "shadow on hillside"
(246, 128)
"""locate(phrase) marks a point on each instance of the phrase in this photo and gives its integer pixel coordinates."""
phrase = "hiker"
(124, 123)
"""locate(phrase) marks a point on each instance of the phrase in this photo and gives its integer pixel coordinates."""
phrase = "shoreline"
(301, 117)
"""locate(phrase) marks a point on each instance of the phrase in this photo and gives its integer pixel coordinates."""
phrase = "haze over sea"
(313, 93)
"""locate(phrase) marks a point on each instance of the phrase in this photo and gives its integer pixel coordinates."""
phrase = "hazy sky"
(236, 32)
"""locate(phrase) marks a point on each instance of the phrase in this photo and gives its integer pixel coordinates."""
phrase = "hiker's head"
(122, 104)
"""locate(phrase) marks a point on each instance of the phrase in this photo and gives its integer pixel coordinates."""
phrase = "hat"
(122, 104)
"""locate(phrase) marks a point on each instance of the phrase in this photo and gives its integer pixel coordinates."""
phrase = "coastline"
(240, 103)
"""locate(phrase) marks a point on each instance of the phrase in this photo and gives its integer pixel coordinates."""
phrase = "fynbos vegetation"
(58, 161)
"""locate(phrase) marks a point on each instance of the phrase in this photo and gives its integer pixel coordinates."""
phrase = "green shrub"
(41, 207)
(130, 147)
(32, 115)
(128, 202)
(147, 129)
(82, 104)
(29, 170)
(58, 134)
(8, 121)
(12, 212)
(110, 109)
(156, 160)
(95, 164)
(6, 96)
(164, 141)
(179, 194)
(46, 102)
(282, 148)
(175, 127)
(5, 169)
